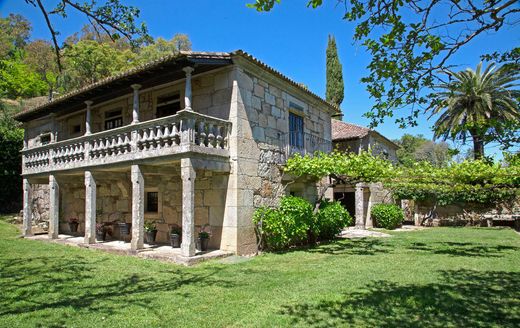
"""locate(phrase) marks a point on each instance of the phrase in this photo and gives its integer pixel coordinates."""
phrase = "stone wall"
(260, 115)
(464, 214)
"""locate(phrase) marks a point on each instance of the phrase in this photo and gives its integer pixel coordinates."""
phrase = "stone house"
(194, 139)
(358, 199)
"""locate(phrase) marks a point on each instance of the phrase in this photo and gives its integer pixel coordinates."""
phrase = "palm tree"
(474, 102)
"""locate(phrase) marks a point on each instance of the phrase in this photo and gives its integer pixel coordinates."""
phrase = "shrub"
(286, 225)
(388, 216)
(332, 217)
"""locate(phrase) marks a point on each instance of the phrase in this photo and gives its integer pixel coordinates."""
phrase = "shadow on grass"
(463, 249)
(462, 298)
(358, 246)
(361, 246)
(51, 283)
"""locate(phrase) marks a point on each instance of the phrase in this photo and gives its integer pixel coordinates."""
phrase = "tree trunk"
(478, 146)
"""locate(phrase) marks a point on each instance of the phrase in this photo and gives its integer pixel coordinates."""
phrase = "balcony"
(182, 133)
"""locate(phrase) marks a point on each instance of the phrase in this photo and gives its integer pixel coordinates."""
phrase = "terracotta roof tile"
(166, 59)
(343, 130)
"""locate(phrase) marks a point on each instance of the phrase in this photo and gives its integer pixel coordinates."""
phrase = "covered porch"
(187, 192)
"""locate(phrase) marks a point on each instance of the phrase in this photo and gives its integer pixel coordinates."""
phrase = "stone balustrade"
(186, 131)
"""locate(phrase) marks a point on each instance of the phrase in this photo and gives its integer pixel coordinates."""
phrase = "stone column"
(27, 208)
(187, 92)
(137, 208)
(135, 108)
(368, 222)
(188, 207)
(88, 118)
(360, 206)
(416, 216)
(90, 208)
(54, 207)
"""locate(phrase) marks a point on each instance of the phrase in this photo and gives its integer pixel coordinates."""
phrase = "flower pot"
(101, 235)
(203, 242)
(123, 228)
(175, 239)
(73, 226)
(150, 236)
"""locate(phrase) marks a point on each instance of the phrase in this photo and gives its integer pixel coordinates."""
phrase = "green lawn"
(443, 277)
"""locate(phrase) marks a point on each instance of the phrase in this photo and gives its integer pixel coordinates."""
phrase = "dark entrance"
(348, 200)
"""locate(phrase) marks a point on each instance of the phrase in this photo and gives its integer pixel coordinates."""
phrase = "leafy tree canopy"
(410, 41)
(417, 148)
(482, 104)
(109, 17)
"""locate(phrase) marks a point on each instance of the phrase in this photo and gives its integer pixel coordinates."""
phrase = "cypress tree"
(335, 87)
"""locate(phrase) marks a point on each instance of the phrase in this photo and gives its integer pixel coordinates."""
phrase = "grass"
(443, 277)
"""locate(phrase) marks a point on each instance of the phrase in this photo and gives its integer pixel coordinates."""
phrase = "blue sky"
(292, 38)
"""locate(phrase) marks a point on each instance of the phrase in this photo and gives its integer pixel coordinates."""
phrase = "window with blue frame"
(295, 130)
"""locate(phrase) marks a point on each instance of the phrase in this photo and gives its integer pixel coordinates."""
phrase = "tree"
(410, 41)
(14, 34)
(88, 61)
(474, 102)
(109, 17)
(335, 88)
(18, 80)
(162, 47)
(11, 141)
(39, 56)
(413, 149)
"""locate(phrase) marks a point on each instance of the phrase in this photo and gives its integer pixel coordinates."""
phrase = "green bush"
(286, 225)
(388, 216)
(332, 217)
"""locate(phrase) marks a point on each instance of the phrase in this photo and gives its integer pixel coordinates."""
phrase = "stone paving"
(352, 232)
(157, 252)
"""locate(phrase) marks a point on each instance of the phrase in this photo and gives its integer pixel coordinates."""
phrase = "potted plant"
(175, 236)
(73, 224)
(204, 235)
(151, 232)
(101, 231)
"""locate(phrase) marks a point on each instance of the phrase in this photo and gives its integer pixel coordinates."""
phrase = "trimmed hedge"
(388, 216)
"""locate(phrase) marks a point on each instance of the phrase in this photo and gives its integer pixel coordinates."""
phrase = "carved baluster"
(211, 136)
(151, 135)
(120, 148)
(166, 136)
(219, 137)
(127, 142)
(158, 137)
(175, 135)
(201, 134)
(113, 145)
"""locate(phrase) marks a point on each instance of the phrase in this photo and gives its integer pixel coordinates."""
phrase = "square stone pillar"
(137, 208)
(90, 208)
(369, 223)
(360, 206)
(54, 207)
(188, 207)
(27, 208)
